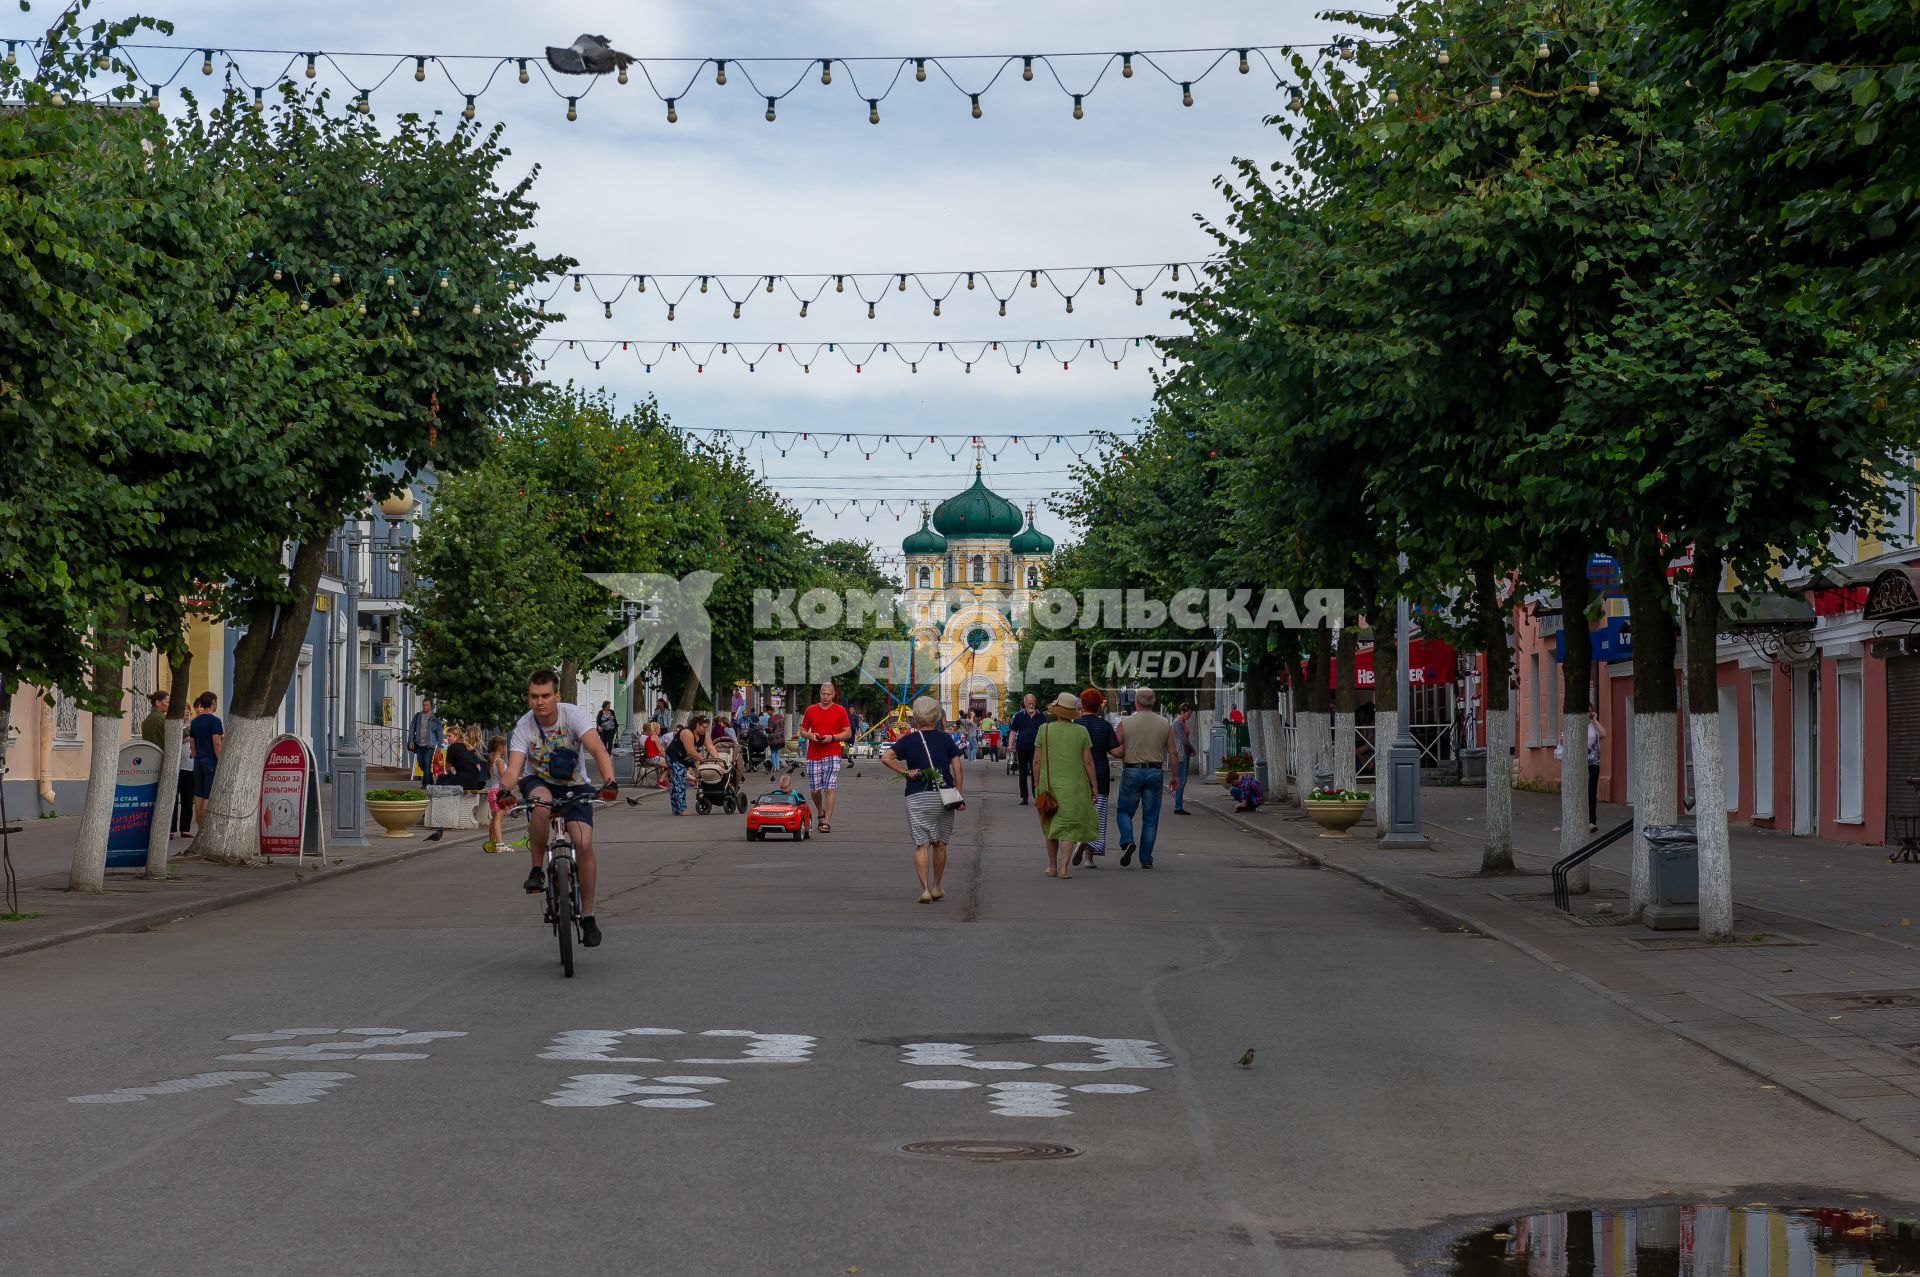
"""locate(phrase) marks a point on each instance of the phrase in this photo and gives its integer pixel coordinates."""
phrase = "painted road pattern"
(388, 1072)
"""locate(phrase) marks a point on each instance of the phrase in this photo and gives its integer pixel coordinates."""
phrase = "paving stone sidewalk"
(1823, 1001)
(42, 853)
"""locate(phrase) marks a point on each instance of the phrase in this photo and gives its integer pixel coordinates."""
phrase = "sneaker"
(1079, 853)
(1146, 864)
(536, 881)
(490, 846)
(1126, 855)
(589, 932)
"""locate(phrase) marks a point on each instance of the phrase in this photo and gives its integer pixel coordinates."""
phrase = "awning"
(1764, 612)
(1428, 661)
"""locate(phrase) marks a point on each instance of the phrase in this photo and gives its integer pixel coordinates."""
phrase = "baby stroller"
(757, 747)
(719, 782)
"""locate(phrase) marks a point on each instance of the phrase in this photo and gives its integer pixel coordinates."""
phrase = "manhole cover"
(1620, 919)
(1744, 940)
(992, 1150)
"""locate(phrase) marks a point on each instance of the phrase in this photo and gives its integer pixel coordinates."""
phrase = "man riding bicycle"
(544, 757)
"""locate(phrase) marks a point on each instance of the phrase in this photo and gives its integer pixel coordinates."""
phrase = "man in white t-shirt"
(544, 759)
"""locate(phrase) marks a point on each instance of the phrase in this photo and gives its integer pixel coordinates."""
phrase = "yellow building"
(972, 566)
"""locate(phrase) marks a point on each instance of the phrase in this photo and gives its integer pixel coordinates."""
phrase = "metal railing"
(382, 746)
(1564, 867)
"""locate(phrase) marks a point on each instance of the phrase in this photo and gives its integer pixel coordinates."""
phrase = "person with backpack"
(776, 741)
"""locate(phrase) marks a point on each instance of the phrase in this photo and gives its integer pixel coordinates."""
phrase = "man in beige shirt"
(1144, 747)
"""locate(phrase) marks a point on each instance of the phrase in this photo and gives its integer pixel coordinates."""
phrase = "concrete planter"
(397, 817)
(1336, 816)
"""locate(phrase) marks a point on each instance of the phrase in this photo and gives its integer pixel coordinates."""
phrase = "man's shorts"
(203, 779)
(576, 801)
(823, 773)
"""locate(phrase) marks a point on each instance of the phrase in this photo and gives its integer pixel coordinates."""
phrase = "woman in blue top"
(1100, 731)
(929, 822)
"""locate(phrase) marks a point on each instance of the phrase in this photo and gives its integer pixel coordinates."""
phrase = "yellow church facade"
(971, 569)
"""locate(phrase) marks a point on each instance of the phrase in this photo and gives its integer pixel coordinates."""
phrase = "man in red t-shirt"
(825, 726)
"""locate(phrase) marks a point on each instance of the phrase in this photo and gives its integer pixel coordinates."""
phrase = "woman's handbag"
(1045, 803)
(949, 796)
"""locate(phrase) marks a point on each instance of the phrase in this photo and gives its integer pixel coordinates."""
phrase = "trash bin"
(1473, 766)
(1674, 878)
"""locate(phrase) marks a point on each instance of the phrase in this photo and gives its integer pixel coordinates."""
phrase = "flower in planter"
(396, 796)
(1338, 796)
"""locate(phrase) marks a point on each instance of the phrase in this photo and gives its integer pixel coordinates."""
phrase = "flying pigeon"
(588, 55)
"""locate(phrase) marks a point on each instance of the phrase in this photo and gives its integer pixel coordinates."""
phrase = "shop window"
(1850, 702)
(1763, 745)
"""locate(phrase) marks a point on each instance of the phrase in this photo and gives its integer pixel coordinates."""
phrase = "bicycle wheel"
(561, 884)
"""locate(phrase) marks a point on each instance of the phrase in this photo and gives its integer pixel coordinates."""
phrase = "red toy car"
(783, 810)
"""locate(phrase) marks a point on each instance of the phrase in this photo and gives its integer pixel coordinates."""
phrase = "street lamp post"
(349, 765)
(1403, 759)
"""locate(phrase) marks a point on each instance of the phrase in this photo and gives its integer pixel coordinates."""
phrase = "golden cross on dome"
(979, 450)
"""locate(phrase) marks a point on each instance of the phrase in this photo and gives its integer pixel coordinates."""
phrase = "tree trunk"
(263, 665)
(1385, 619)
(1348, 705)
(1496, 856)
(89, 871)
(570, 681)
(1314, 729)
(1576, 709)
(1703, 727)
(1656, 770)
(160, 836)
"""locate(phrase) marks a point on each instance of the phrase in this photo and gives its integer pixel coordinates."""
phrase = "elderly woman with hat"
(921, 754)
(1063, 771)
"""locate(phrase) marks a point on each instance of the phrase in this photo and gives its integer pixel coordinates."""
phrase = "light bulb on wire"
(920, 69)
(976, 104)
(206, 62)
(873, 110)
(468, 113)
(1078, 112)
(419, 69)
(1126, 65)
(1186, 93)
(769, 110)
(1244, 65)
(524, 77)
(1026, 72)
(311, 69)
(720, 72)
(673, 116)
(826, 70)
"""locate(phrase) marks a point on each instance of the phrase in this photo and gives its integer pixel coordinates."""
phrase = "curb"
(181, 912)
(1832, 1104)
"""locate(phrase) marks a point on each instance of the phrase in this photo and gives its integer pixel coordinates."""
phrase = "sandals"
(825, 828)
(926, 897)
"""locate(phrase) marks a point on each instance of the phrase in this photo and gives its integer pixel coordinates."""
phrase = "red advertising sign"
(286, 797)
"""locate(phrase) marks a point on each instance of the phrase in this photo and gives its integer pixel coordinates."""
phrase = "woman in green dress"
(1063, 768)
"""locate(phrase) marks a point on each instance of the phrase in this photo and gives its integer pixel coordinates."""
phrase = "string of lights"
(1063, 351)
(872, 445)
(870, 80)
(871, 287)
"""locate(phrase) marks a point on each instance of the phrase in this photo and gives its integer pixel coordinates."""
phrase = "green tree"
(416, 228)
(1810, 114)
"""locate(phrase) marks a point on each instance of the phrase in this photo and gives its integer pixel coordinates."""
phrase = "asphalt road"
(727, 1084)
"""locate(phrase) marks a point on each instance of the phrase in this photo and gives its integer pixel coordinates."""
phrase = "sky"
(822, 191)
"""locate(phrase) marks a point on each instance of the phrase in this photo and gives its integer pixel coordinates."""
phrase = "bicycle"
(563, 883)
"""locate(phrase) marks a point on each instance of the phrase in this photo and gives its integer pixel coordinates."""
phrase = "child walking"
(497, 781)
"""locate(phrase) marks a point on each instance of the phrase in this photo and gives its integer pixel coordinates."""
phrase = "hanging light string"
(733, 440)
(1015, 354)
(869, 79)
(871, 287)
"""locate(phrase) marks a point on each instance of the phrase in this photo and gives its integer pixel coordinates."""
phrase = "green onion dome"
(977, 512)
(924, 541)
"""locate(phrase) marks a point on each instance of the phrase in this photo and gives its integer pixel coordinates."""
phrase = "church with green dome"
(971, 567)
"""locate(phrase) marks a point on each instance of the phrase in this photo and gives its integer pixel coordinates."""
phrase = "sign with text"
(135, 787)
(289, 800)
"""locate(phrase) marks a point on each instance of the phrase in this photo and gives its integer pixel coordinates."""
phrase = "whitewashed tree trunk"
(230, 834)
(1573, 797)
(1316, 747)
(1499, 838)
(89, 871)
(1345, 774)
(1386, 727)
(1710, 825)
(1656, 795)
(1297, 753)
(163, 801)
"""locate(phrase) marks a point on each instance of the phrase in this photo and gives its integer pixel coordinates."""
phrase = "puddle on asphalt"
(1692, 1241)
